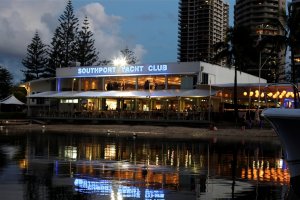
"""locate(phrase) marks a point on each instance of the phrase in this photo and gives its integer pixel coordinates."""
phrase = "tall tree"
(36, 60)
(272, 45)
(294, 43)
(104, 62)
(55, 54)
(289, 39)
(238, 52)
(5, 82)
(86, 52)
(129, 56)
(65, 37)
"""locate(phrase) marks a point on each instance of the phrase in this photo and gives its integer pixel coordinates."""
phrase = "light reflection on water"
(82, 166)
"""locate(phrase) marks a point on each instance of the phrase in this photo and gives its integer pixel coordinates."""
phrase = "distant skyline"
(148, 27)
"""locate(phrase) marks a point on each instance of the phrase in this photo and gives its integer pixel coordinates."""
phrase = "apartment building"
(202, 23)
(263, 18)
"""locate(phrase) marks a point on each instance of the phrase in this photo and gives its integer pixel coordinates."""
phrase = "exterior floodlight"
(121, 61)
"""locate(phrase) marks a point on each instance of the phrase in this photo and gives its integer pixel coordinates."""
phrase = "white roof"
(126, 94)
(11, 100)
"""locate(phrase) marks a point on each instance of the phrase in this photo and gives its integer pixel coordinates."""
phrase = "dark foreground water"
(43, 165)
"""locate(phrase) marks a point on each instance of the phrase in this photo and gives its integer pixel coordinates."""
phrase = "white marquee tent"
(12, 100)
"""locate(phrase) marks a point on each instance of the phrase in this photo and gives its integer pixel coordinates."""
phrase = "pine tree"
(55, 55)
(86, 53)
(129, 56)
(63, 50)
(36, 60)
(104, 62)
(6, 82)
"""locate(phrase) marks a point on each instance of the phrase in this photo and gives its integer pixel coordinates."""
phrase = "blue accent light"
(58, 85)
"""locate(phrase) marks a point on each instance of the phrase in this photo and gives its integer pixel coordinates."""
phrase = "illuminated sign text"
(134, 69)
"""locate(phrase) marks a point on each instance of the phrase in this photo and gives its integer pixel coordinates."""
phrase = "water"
(42, 165)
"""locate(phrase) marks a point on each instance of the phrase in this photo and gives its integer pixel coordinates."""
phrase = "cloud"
(19, 19)
(139, 51)
(106, 29)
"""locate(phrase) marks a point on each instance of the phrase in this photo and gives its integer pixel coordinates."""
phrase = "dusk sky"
(148, 27)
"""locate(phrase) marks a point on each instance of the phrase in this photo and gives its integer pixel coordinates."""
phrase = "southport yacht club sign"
(140, 69)
(134, 69)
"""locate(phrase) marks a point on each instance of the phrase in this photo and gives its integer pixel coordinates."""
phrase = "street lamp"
(120, 61)
(260, 66)
(259, 75)
(209, 100)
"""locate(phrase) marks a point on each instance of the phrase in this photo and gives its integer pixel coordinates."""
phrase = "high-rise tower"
(264, 17)
(202, 23)
(295, 34)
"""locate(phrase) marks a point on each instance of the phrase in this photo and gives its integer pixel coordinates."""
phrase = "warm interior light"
(245, 93)
(270, 94)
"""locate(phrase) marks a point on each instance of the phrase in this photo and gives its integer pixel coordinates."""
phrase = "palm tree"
(238, 52)
(290, 38)
(293, 24)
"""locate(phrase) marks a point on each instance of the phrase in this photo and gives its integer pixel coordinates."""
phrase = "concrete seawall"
(175, 132)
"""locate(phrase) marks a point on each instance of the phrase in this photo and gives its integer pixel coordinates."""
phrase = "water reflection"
(82, 166)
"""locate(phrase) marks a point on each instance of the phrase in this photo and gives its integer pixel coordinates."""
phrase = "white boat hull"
(286, 123)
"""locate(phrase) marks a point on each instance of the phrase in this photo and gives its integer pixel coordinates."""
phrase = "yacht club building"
(177, 87)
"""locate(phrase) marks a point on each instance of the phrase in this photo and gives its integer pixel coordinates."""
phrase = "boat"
(286, 123)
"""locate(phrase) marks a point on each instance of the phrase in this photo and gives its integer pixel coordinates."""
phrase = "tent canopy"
(11, 100)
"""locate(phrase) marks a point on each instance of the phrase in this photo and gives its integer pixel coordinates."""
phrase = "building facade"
(202, 23)
(143, 88)
(264, 19)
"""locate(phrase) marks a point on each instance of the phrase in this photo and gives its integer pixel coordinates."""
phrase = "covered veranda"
(137, 104)
(157, 105)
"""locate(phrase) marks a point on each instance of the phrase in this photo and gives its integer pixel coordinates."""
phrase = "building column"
(136, 83)
(79, 84)
(166, 82)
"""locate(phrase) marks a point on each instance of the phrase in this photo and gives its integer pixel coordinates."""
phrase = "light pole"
(260, 66)
(259, 75)
(209, 100)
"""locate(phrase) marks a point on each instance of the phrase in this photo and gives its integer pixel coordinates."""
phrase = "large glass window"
(90, 84)
(120, 83)
(127, 83)
(174, 82)
(151, 82)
